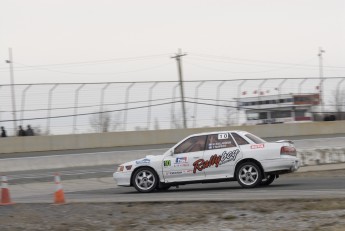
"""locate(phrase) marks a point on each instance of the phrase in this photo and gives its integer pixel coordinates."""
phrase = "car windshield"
(255, 139)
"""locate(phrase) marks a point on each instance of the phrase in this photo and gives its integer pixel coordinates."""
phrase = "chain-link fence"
(102, 107)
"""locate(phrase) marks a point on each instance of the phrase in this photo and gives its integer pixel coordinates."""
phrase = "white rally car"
(211, 157)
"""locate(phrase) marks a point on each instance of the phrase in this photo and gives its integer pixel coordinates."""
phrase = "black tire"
(269, 179)
(248, 175)
(145, 180)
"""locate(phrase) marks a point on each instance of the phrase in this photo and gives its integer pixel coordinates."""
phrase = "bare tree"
(37, 130)
(117, 121)
(230, 116)
(100, 122)
(177, 119)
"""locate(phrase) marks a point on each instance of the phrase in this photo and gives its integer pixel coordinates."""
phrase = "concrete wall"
(113, 139)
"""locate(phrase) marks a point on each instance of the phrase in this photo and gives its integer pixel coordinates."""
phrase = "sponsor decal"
(181, 165)
(256, 146)
(215, 160)
(181, 160)
(229, 156)
(219, 145)
(167, 163)
(174, 173)
(143, 161)
(201, 164)
(178, 172)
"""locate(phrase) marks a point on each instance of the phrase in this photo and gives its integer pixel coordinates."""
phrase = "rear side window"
(221, 140)
(255, 139)
(239, 139)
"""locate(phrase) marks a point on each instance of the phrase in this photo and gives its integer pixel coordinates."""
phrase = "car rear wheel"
(145, 180)
(269, 179)
(248, 175)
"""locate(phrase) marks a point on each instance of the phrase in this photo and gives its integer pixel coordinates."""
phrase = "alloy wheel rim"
(248, 174)
(145, 180)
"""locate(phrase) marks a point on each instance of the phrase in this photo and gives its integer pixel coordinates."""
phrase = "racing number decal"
(223, 136)
(167, 163)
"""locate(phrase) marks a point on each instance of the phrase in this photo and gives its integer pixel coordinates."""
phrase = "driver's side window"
(192, 144)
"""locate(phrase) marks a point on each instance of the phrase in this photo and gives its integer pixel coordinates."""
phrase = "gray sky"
(133, 40)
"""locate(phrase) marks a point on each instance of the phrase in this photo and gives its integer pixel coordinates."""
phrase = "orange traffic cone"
(5, 192)
(59, 196)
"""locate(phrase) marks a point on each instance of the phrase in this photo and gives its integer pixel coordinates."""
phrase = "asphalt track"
(104, 189)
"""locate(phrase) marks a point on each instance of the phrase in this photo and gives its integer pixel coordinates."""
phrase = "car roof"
(216, 132)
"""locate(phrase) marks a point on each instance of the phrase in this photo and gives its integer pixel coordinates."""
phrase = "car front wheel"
(249, 175)
(145, 180)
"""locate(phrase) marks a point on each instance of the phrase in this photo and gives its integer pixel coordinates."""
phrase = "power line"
(88, 106)
(96, 73)
(260, 61)
(93, 113)
(238, 72)
(96, 62)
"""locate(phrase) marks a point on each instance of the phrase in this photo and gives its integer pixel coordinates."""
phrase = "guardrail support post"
(49, 107)
(23, 103)
(217, 100)
(149, 106)
(238, 100)
(172, 116)
(196, 102)
(101, 126)
(126, 106)
(76, 100)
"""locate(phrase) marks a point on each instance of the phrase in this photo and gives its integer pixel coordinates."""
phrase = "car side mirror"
(171, 152)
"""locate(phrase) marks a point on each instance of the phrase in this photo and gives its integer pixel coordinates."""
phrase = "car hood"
(146, 161)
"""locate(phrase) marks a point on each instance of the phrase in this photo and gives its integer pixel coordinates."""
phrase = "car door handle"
(196, 157)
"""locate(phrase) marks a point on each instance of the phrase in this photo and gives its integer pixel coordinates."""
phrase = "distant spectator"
(29, 131)
(3, 132)
(21, 132)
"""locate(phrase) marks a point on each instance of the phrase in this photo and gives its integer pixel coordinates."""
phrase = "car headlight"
(121, 168)
(128, 167)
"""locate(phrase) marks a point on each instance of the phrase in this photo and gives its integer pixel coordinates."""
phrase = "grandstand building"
(283, 108)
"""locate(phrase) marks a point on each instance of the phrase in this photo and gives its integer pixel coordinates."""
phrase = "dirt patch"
(258, 215)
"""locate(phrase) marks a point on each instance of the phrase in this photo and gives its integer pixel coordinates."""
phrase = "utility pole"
(321, 78)
(179, 66)
(10, 61)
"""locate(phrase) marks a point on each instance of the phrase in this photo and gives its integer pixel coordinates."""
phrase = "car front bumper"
(122, 178)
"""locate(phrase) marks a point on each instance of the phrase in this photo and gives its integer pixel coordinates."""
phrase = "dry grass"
(325, 205)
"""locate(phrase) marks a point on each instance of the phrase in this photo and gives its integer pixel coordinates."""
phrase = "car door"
(220, 156)
(179, 166)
